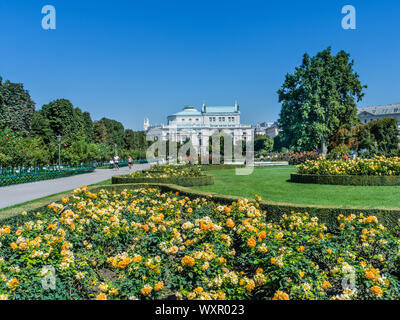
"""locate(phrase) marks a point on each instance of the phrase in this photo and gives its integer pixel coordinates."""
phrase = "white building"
(369, 114)
(198, 126)
(269, 129)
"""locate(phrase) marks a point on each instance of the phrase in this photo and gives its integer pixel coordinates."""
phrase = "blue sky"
(127, 60)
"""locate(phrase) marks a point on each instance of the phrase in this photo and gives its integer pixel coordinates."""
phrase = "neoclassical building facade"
(199, 126)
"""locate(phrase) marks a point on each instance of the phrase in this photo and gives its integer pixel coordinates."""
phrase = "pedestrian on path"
(111, 163)
(116, 160)
(130, 162)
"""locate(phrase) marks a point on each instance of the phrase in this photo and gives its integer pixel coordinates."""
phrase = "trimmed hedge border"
(205, 167)
(346, 180)
(203, 180)
(33, 177)
(275, 210)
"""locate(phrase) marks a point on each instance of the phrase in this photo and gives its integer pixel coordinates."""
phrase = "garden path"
(20, 193)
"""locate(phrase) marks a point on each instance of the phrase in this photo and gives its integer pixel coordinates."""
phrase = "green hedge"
(205, 167)
(204, 180)
(33, 177)
(346, 180)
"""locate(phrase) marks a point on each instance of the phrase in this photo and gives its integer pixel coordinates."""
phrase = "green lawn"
(271, 183)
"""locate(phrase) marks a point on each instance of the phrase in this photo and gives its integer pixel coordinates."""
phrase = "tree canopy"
(318, 99)
(16, 107)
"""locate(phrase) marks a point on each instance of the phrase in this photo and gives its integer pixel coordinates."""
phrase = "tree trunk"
(324, 149)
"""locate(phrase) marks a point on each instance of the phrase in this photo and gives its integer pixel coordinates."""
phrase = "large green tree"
(16, 107)
(318, 99)
(61, 116)
(109, 132)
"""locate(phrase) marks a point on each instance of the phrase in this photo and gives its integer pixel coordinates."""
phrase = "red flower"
(8, 139)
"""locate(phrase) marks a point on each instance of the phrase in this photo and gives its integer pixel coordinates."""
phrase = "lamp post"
(59, 137)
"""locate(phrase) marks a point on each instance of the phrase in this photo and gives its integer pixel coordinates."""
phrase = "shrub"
(378, 166)
(168, 170)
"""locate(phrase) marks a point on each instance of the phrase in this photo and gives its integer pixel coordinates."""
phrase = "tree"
(16, 107)
(88, 123)
(268, 145)
(60, 114)
(319, 98)
(41, 127)
(109, 132)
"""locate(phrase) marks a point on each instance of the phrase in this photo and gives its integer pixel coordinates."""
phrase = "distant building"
(369, 114)
(198, 126)
(269, 129)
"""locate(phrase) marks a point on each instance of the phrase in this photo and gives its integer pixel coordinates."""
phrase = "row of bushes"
(378, 166)
(346, 180)
(32, 177)
(202, 180)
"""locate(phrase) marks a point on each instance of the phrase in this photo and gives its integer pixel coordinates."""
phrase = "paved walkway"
(20, 193)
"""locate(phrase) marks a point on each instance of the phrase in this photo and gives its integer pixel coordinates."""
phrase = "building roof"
(381, 110)
(230, 109)
(188, 111)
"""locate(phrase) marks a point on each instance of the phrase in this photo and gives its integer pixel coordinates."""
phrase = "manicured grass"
(272, 183)
(102, 183)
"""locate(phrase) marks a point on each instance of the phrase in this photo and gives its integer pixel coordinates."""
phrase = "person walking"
(116, 160)
(130, 162)
(111, 163)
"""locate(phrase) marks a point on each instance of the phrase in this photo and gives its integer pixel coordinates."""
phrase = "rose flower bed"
(144, 244)
(169, 170)
(378, 166)
(190, 175)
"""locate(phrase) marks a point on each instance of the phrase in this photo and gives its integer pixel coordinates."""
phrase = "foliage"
(263, 144)
(376, 137)
(169, 170)
(378, 166)
(16, 107)
(301, 157)
(317, 99)
(148, 244)
(340, 152)
(109, 132)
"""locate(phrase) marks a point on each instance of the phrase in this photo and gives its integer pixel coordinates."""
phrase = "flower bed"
(380, 171)
(203, 180)
(378, 166)
(168, 174)
(148, 244)
(168, 170)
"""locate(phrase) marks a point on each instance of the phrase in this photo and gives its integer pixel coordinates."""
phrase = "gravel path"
(20, 193)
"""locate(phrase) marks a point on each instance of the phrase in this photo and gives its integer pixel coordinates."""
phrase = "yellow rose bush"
(147, 244)
(378, 166)
(169, 170)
